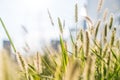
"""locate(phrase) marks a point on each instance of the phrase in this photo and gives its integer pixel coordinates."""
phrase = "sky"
(32, 14)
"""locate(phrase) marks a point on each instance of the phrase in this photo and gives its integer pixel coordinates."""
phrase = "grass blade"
(6, 31)
(64, 54)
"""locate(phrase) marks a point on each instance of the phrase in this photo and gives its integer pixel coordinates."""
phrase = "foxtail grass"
(60, 25)
(91, 58)
(105, 14)
(111, 22)
(51, 20)
(76, 13)
(87, 43)
(96, 30)
(100, 4)
(112, 38)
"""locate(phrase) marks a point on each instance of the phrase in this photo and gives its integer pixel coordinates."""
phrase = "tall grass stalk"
(76, 13)
(6, 31)
(100, 3)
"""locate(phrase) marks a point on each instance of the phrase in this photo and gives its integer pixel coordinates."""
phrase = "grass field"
(92, 57)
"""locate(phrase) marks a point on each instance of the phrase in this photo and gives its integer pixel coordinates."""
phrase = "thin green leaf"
(6, 31)
(113, 53)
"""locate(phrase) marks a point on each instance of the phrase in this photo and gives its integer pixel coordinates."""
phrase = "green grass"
(6, 31)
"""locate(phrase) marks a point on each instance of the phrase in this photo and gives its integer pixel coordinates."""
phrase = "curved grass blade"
(64, 54)
(47, 65)
(113, 53)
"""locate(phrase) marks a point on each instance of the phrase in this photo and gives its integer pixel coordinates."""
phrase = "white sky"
(33, 15)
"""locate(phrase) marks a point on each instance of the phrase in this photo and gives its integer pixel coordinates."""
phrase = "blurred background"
(29, 25)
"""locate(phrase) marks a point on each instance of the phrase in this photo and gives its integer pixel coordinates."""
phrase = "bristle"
(87, 43)
(100, 4)
(97, 28)
(105, 30)
(21, 62)
(111, 22)
(60, 25)
(112, 38)
(76, 13)
(88, 19)
(105, 14)
(89, 69)
(80, 35)
(50, 18)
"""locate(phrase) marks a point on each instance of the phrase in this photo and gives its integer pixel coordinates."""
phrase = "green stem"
(6, 31)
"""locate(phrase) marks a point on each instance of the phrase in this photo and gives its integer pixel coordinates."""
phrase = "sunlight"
(37, 4)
